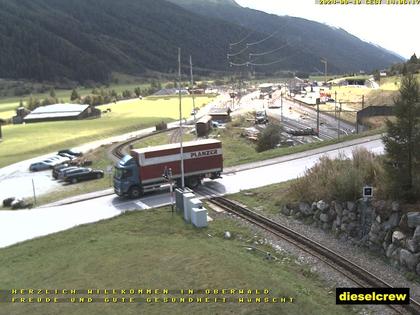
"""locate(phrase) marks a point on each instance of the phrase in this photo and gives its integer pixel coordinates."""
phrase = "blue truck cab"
(126, 178)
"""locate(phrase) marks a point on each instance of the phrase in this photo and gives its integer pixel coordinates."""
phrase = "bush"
(341, 179)
(269, 138)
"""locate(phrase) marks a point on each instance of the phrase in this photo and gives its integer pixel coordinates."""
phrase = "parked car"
(67, 155)
(46, 164)
(63, 174)
(71, 152)
(56, 169)
(82, 175)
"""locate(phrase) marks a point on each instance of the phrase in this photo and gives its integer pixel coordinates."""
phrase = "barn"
(58, 112)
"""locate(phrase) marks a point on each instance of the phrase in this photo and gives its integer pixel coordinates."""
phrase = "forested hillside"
(82, 40)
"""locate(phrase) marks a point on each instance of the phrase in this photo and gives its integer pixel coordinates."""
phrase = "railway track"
(355, 273)
(119, 150)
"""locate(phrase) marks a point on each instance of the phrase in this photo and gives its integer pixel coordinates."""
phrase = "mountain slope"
(343, 51)
(86, 40)
(81, 40)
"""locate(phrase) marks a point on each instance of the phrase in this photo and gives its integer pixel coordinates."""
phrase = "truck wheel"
(74, 181)
(135, 192)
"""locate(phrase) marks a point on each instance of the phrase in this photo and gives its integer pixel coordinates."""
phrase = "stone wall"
(379, 225)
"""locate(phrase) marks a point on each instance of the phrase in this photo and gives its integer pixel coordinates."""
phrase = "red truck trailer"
(143, 169)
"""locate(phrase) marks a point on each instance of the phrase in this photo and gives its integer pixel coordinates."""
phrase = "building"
(221, 115)
(58, 112)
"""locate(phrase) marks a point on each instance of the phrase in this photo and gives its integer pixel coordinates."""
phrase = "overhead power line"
(262, 40)
(238, 53)
(241, 41)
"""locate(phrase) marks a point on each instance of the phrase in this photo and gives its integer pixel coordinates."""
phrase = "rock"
(378, 219)
(408, 259)
(388, 236)
(375, 227)
(403, 225)
(305, 209)
(338, 208)
(398, 237)
(338, 221)
(413, 246)
(416, 235)
(395, 206)
(322, 205)
(324, 217)
(374, 238)
(413, 219)
(418, 269)
(332, 213)
(227, 235)
(313, 206)
(351, 206)
(343, 227)
(390, 250)
(392, 221)
(395, 255)
(352, 216)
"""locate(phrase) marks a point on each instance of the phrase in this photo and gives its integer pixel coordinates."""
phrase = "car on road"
(81, 175)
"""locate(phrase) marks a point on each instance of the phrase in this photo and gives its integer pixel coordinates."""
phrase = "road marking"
(142, 205)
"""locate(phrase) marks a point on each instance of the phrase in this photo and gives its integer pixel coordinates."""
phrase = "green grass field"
(9, 104)
(157, 250)
(21, 142)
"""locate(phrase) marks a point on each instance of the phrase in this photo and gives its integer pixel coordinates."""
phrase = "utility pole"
(180, 120)
(281, 104)
(192, 88)
(338, 122)
(324, 61)
(317, 115)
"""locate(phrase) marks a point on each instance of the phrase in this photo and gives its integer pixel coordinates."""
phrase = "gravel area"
(332, 277)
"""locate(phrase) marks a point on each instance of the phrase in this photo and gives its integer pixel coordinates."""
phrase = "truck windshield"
(121, 173)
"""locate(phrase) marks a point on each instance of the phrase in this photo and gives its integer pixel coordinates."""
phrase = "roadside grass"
(157, 250)
(21, 142)
(268, 199)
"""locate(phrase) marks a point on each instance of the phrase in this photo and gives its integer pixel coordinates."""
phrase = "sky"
(394, 27)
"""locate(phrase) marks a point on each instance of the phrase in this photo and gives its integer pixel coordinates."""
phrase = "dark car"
(56, 169)
(84, 175)
(62, 174)
(71, 152)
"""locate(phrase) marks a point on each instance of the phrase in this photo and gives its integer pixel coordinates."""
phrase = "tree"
(413, 59)
(74, 95)
(269, 138)
(137, 91)
(52, 93)
(402, 142)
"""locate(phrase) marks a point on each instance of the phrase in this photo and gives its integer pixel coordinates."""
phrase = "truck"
(261, 117)
(144, 170)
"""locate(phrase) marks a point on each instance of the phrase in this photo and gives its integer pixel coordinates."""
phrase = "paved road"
(17, 226)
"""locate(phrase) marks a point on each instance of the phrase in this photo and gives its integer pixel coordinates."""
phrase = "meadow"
(21, 142)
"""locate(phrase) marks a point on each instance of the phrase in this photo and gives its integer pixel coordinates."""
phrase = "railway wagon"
(143, 169)
(203, 126)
